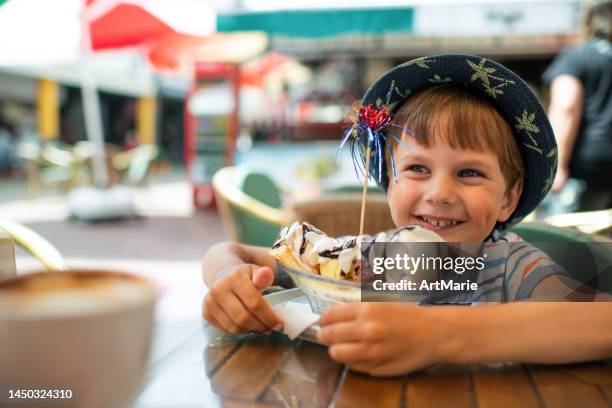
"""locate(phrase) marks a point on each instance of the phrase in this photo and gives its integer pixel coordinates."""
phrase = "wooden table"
(195, 365)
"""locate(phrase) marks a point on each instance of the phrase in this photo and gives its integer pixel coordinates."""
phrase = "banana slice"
(284, 255)
(331, 269)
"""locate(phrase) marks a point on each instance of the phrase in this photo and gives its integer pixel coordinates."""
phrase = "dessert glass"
(322, 291)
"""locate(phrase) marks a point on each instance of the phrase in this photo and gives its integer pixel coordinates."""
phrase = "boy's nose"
(441, 191)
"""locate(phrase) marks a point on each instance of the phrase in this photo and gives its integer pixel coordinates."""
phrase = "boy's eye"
(417, 168)
(470, 173)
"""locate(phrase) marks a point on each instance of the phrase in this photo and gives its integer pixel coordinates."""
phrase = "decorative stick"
(365, 190)
(369, 126)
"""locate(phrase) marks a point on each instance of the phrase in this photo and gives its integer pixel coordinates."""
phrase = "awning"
(122, 72)
(416, 27)
(321, 23)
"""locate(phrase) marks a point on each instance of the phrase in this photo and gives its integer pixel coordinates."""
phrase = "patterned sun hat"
(505, 89)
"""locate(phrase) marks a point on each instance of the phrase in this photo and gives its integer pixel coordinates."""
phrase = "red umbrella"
(126, 25)
(172, 52)
(123, 25)
(174, 34)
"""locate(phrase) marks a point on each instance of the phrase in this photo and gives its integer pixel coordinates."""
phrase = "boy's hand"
(235, 304)
(384, 339)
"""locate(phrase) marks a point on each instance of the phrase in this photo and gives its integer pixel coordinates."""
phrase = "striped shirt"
(513, 269)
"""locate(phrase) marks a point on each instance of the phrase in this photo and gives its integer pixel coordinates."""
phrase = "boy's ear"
(511, 200)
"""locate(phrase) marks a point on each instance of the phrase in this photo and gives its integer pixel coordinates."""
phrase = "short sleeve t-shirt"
(591, 63)
(512, 270)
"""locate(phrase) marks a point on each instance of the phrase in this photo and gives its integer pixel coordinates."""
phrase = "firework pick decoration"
(369, 132)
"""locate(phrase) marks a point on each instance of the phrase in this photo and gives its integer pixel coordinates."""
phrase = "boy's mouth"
(437, 223)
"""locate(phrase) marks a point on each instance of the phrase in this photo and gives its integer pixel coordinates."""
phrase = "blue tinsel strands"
(369, 130)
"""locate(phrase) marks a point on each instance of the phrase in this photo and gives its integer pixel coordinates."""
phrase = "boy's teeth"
(439, 223)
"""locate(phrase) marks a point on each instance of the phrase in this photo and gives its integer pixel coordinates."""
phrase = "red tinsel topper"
(377, 119)
(369, 129)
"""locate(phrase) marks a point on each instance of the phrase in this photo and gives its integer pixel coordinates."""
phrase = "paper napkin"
(295, 319)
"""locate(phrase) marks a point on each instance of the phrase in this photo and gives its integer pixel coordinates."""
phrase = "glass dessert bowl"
(323, 291)
(328, 269)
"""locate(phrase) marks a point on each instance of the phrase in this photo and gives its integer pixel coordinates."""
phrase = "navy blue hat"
(506, 90)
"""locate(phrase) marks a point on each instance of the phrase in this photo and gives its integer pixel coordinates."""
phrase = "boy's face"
(459, 194)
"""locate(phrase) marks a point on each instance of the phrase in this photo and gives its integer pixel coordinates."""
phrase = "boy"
(477, 154)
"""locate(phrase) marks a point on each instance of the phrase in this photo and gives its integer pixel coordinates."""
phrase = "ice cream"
(304, 247)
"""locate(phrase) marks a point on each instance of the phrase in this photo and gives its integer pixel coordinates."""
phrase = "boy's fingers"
(339, 333)
(254, 302)
(350, 353)
(340, 313)
(238, 313)
(217, 315)
(262, 277)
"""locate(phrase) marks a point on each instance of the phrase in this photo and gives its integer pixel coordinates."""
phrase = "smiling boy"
(477, 154)
(459, 170)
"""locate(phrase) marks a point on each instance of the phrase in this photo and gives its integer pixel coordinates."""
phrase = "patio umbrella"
(180, 51)
(273, 67)
(125, 23)
(173, 34)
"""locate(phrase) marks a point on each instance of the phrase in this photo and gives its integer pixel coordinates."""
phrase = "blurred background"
(117, 115)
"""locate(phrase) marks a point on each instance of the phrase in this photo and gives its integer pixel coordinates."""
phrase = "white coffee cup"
(84, 331)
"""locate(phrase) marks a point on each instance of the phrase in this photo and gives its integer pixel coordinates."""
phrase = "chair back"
(250, 205)
(586, 257)
(140, 164)
(339, 214)
(253, 230)
(135, 164)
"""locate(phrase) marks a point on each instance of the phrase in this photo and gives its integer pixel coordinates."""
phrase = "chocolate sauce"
(305, 229)
(335, 252)
(331, 253)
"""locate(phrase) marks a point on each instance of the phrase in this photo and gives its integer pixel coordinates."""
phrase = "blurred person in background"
(580, 109)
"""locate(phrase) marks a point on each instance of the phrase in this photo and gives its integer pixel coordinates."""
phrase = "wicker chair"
(249, 205)
(339, 214)
(251, 215)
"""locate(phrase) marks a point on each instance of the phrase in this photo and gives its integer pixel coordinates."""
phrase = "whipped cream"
(310, 246)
